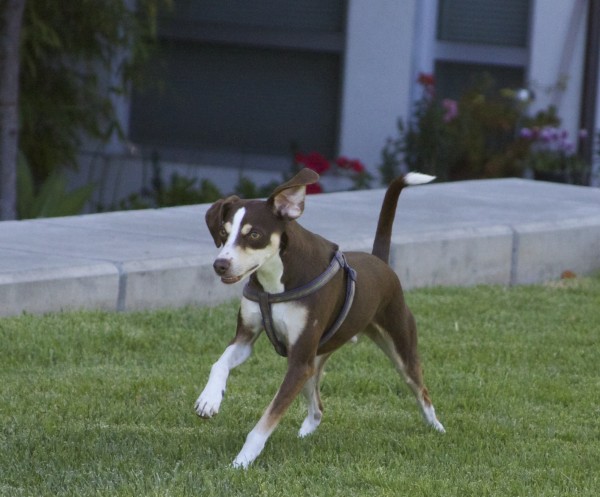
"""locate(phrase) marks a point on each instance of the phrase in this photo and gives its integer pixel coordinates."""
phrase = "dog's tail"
(383, 235)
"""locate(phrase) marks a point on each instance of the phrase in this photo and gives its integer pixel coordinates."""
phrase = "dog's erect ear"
(287, 200)
(215, 215)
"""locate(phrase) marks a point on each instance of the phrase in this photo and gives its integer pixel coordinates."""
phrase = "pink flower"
(526, 133)
(546, 134)
(450, 109)
(568, 147)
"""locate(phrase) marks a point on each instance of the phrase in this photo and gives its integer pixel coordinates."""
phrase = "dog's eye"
(254, 235)
(223, 232)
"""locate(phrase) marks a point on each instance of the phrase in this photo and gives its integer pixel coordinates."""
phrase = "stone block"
(459, 257)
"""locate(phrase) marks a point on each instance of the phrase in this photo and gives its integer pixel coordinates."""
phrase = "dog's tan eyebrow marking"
(227, 227)
(246, 229)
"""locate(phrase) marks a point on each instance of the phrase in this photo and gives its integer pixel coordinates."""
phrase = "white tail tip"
(417, 179)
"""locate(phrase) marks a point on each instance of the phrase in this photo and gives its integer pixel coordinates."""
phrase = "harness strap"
(265, 299)
(350, 290)
(267, 316)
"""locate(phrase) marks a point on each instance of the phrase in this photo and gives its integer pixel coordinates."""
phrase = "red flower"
(319, 164)
(314, 188)
(350, 164)
(357, 166)
(314, 161)
(426, 79)
(343, 162)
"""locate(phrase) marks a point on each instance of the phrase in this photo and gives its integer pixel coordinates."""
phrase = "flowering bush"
(550, 150)
(342, 166)
(483, 134)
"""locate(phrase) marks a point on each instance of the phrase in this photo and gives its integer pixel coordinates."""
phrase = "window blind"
(307, 15)
(243, 77)
(240, 100)
(492, 22)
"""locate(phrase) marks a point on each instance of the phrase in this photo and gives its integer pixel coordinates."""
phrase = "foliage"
(101, 403)
(246, 188)
(180, 190)
(186, 191)
(352, 169)
(552, 151)
(69, 52)
(183, 190)
(477, 136)
(51, 198)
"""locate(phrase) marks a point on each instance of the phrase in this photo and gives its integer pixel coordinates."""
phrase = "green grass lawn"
(102, 404)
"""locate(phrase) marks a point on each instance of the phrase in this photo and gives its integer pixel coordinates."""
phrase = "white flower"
(524, 95)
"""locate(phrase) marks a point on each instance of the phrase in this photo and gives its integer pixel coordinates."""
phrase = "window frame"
(431, 49)
(172, 29)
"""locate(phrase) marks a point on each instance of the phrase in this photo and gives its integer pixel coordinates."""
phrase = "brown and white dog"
(262, 240)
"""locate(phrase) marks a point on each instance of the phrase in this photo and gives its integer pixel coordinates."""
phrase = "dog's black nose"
(221, 266)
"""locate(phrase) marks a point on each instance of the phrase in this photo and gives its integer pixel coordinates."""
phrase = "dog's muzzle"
(222, 268)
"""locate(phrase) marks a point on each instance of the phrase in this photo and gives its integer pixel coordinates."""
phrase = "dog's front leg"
(236, 353)
(209, 401)
(295, 378)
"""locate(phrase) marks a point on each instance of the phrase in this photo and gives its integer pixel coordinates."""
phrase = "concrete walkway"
(503, 232)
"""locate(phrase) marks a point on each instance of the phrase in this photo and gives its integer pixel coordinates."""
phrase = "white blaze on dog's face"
(247, 246)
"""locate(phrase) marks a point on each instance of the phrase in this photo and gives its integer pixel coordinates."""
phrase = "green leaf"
(52, 199)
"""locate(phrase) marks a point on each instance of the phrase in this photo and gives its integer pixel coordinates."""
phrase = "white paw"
(432, 420)
(255, 442)
(209, 402)
(309, 425)
(239, 463)
(438, 426)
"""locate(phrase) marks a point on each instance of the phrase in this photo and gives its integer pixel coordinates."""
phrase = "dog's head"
(249, 231)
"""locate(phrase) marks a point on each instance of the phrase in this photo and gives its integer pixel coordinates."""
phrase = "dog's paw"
(240, 463)
(255, 442)
(432, 420)
(438, 426)
(309, 425)
(209, 402)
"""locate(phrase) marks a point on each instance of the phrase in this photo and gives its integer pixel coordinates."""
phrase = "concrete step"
(506, 232)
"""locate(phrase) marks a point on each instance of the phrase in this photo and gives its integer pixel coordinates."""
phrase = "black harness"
(265, 299)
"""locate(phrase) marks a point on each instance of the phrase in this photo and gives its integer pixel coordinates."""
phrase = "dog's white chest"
(289, 319)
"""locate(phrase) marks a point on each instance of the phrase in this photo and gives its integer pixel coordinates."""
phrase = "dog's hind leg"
(312, 394)
(399, 343)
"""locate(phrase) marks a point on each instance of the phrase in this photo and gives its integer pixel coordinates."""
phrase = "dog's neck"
(303, 257)
(269, 275)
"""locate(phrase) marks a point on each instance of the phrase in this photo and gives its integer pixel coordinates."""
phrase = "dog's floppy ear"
(215, 215)
(287, 200)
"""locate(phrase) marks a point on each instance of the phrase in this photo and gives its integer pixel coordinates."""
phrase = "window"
(484, 22)
(242, 83)
(481, 36)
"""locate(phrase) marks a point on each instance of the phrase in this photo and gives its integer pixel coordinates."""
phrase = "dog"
(310, 298)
